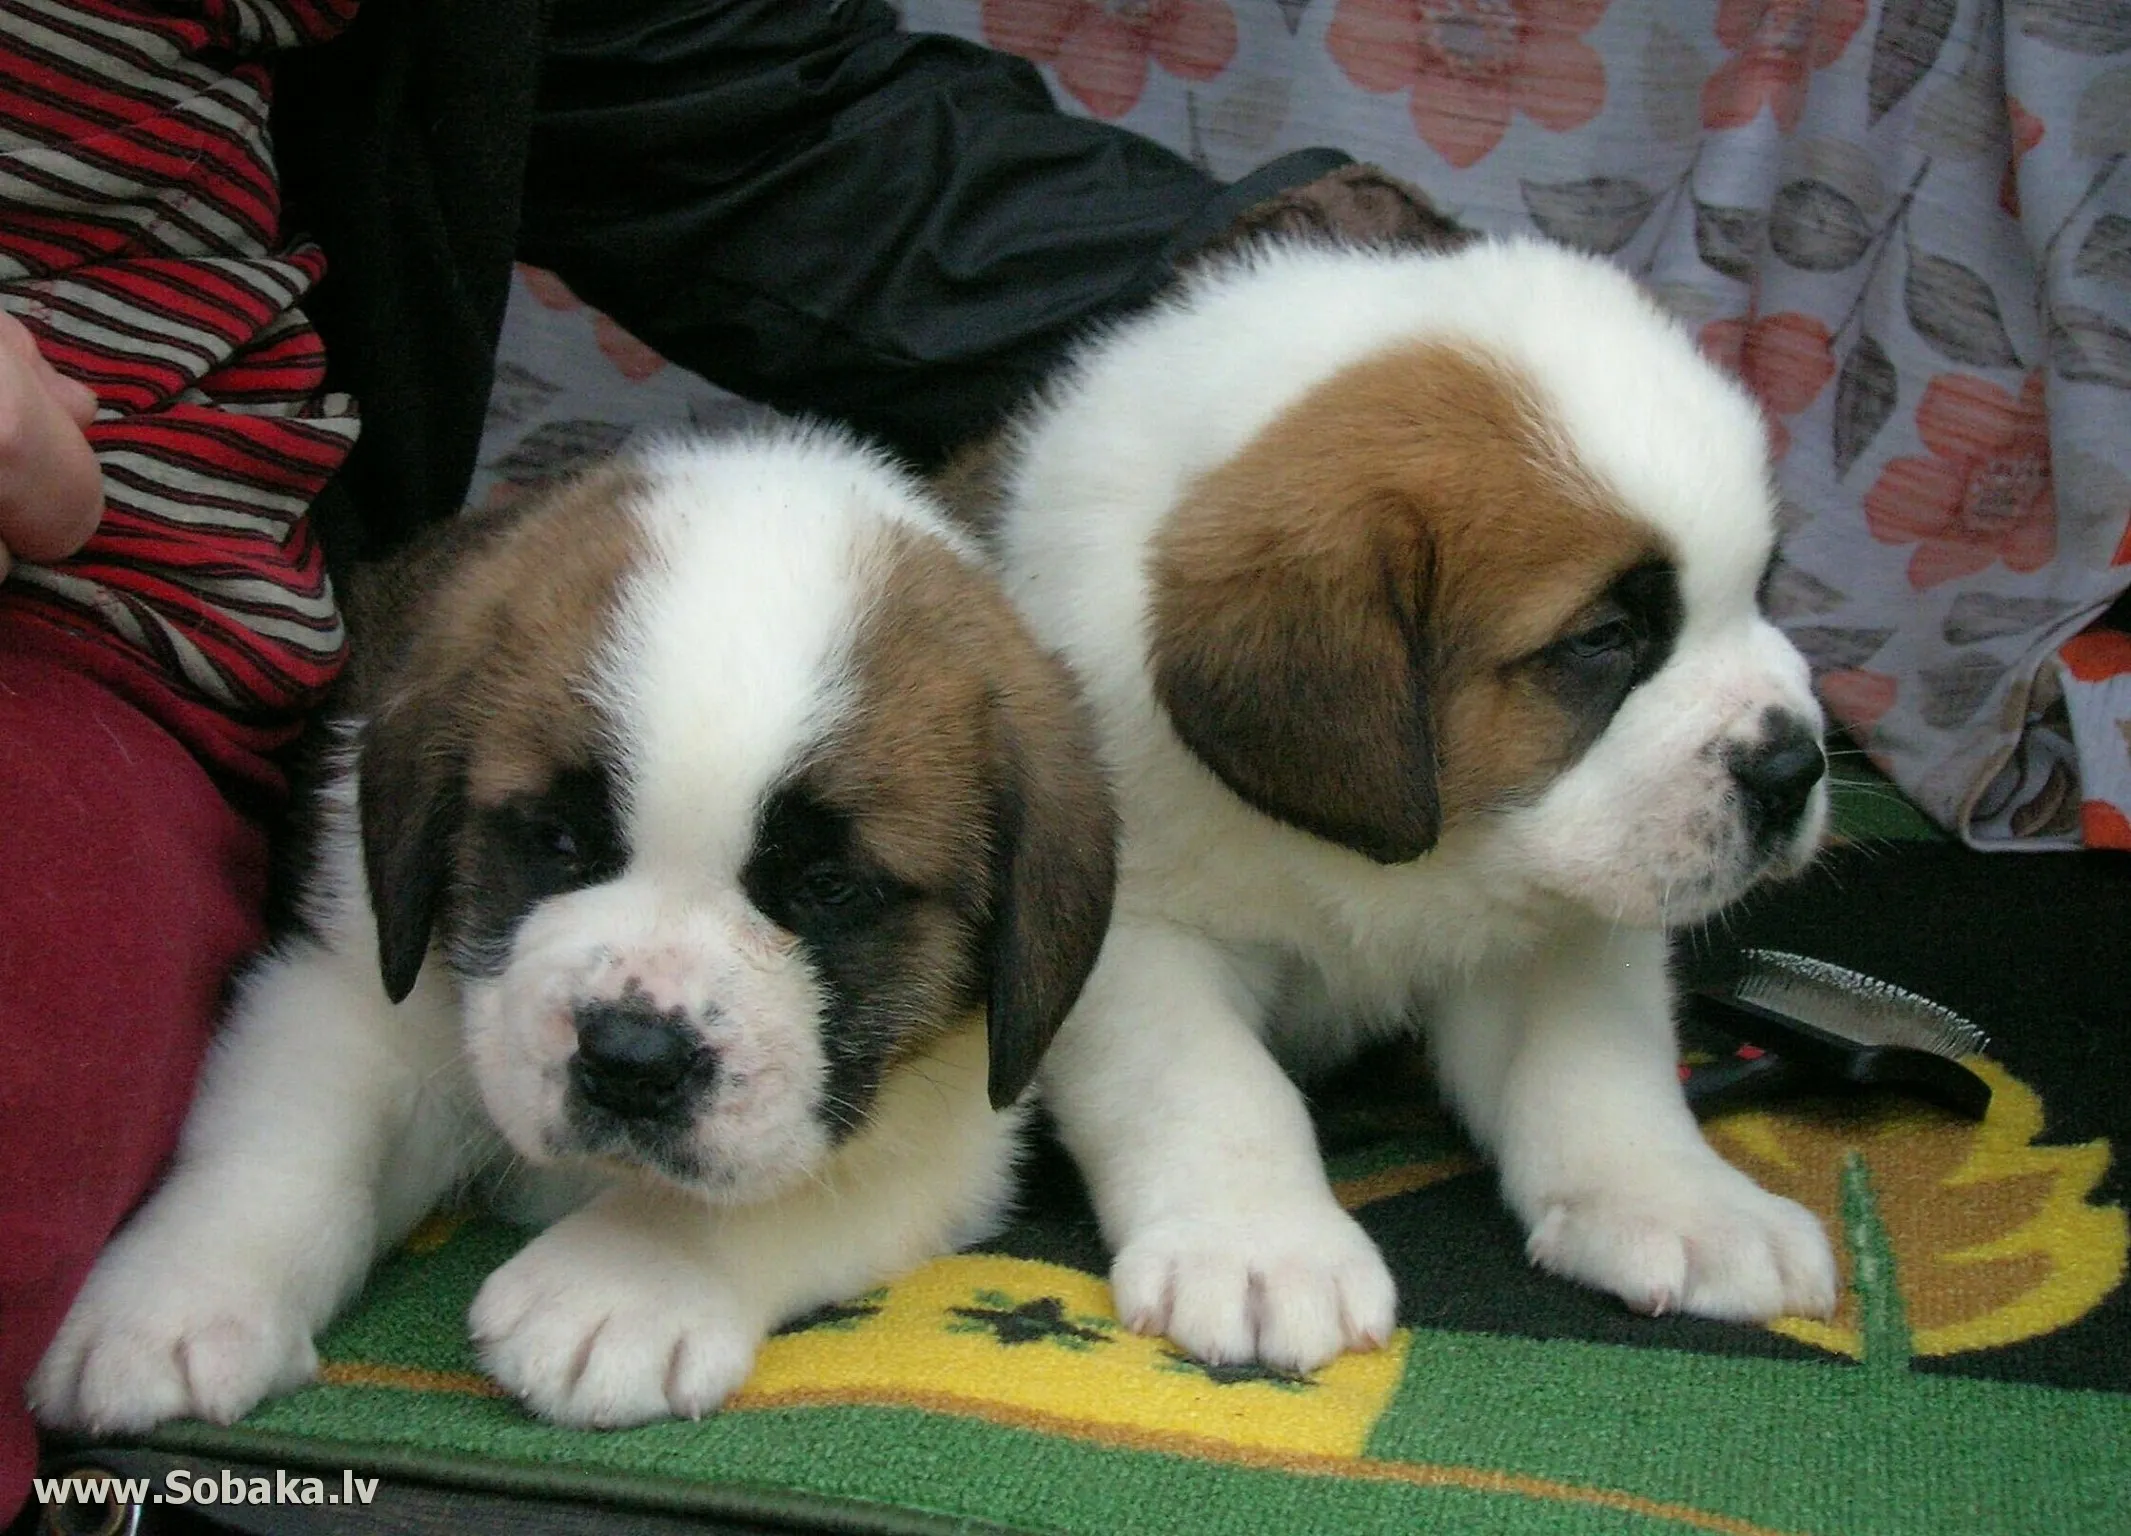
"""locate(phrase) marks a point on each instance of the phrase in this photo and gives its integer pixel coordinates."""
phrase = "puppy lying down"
(1416, 597)
(686, 826)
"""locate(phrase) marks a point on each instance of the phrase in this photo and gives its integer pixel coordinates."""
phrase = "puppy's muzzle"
(1777, 777)
(636, 1060)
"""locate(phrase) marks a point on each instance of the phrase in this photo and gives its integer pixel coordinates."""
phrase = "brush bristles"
(1856, 1006)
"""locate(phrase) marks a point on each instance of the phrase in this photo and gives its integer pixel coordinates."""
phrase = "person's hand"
(51, 492)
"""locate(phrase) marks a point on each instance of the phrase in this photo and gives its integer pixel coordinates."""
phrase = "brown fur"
(915, 760)
(969, 766)
(514, 670)
(972, 484)
(1357, 204)
(447, 617)
(472, 694)
(1346, 614)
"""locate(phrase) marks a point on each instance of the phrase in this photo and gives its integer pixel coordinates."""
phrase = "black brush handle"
(1740, 1082)
(1838, 1062)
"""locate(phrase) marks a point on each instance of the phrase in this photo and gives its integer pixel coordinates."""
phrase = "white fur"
(1528, 942)
(328, 1120)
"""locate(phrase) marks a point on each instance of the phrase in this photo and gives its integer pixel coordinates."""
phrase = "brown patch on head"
(1352, 617)
(1355, 205)
(968, 768)
(913, 761)
(476, 647)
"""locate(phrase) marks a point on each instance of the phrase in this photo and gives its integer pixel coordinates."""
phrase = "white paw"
(1709, 1242)
(148, 1340)
(1289, 1287)
(589, 1328)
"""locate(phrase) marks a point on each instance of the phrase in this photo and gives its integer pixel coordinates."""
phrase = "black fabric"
(402, 148)
(793, 199)
(813, 209)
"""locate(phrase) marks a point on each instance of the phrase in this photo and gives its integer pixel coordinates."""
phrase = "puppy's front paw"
(148, 1340)
(592, 1329)
(1290, 1287)
(1711, 1242)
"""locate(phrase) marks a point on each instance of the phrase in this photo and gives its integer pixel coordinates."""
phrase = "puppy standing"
(693, 815)
(1416, 599)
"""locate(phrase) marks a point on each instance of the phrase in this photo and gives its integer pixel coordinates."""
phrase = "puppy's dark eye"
(548, 841)
(810, 875)
(1618, 633)
(558, 849)
(559, 843)
(829, 886)
(829, 896)
(1618, 641)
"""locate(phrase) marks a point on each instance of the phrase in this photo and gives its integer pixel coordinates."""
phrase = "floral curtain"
(1906, 223)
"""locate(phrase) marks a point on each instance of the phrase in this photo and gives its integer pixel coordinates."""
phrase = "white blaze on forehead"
(1670, 438)
(729, 659)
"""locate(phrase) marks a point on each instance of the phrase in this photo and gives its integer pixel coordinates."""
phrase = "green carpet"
(1976, 1380)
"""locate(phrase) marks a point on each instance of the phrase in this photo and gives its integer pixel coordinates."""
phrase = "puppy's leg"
(649, 1303)
(322, 1130)
(1203, 1165)
(1568, 1074)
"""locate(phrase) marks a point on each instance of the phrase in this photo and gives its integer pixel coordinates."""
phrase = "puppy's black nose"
(634, 1059)
(1776, 777)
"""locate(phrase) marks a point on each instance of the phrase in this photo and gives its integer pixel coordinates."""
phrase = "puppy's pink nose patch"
(664, 978)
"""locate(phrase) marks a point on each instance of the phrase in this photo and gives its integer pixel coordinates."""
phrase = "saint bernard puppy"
(1415, 597)
(711, 828)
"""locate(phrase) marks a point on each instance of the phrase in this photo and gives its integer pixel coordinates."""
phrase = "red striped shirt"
(141, 241)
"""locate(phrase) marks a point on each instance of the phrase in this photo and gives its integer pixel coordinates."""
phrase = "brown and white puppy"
(690, 825)
(1415, 595)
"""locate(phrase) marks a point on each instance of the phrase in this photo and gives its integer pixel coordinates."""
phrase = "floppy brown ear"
(1054, 874)
(412, 799)
(1290, 651)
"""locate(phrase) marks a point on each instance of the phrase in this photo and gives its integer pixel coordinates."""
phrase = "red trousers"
(129, 887)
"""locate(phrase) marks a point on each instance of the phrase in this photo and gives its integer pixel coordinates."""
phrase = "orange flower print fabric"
(2027, 132)
(1981, 494)
(1775, 47)
(2096, 668)
(1472, 65)
(1102, 52)
(1786, 360)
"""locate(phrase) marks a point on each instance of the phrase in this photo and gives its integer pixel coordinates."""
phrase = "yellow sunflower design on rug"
(986, 1380)
(1952, 1236)
(1959, 1236)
